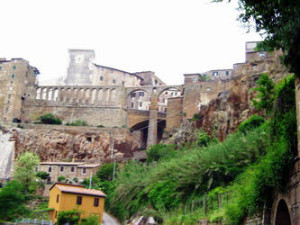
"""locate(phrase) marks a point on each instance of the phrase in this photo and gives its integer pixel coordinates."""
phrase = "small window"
(227, 73)
(84, 170)
(114, 81)
(13, 76)
(96, 202)
(215, 74)
(123, 82)
(72, 169)
(61, 169)
(101, 78)
(55, 213)
(14, 67)
(166, 93)
(133, 95)
(165, 110)
(79, 200)
(141, 104)
(141, 93)
(132, 105)
(57, 198)
(49, 169)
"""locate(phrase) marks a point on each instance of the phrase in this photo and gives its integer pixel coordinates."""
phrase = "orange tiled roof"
(79, 190)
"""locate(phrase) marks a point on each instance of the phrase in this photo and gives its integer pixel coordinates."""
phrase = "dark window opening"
(89, 139)
(61, 169)
(14, 67)
(84, 170)
(132, 105)
(49, 169)
(57, 198)
(141, 93)
(96, 202)
(133, 95)
(101, 78)
(114, 81)
(13, 76)
(72, 169)
(79, 200)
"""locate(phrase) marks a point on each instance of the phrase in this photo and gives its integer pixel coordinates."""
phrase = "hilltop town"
(98, 115)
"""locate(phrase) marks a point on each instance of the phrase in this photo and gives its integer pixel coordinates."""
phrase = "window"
(72, 169)
(101, 78)
(141, 93)
(61, 169)
(14, 67)
(55, 213)
(13, 76)
(0, 68)
(84, 170)
(123, 82)
(216, 74)
(227, 73)
(96, 202)
(49, 169)
(262, 54)
(132, 105)
(141, 104)
(57, 198)
(133, 95)
(79, 200)
(114, 81)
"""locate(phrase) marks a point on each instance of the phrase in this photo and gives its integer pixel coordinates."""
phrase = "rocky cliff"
(63, 143)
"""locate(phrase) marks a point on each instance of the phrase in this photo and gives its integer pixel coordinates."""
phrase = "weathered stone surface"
(63, 143)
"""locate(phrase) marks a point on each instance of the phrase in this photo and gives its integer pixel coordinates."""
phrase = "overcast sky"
(169, 37)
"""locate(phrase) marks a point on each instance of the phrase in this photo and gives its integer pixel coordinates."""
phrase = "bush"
(61, 178)
(71, 217)
(12, 200)
(203, 139)
(105, 172)
(91, 220)
(251, 123)
(49, 119)
(159, 151)
(77, 123)
(43, 175)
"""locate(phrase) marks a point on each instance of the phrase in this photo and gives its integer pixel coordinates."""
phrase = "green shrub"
(61, 178)
(105, 172)
(91, 220)
(203, 139)
(12, 201)
(253, 122)
(50, 119)
(77, 123)
(160, 151)
(71, 217)
(43, 175)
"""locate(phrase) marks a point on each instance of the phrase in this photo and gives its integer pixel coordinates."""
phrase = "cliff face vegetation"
(223, 114)
(60, 143)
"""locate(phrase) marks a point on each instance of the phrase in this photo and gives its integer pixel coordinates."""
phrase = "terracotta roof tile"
(79, 190)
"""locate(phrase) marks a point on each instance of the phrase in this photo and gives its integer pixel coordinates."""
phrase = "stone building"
(70, 170)
(17, 83)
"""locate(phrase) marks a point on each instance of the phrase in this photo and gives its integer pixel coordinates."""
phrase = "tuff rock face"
(223, 114)
(89, 144)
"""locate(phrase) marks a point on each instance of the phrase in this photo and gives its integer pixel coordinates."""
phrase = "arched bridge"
(141, 117)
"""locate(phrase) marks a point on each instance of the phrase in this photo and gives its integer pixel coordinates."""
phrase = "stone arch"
(282, 213)
(171, 88)
(55, 94)
(138, 99)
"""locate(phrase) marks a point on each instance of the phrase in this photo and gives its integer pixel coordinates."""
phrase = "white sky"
(169, 37)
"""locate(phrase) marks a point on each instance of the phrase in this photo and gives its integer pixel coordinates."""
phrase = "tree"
(105, 172)
(279, 22)
(43, 175)
(25, 169)
(264, 100)
(12, 200)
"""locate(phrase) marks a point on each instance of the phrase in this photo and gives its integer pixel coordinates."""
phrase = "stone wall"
(174, 113)
(94, 116)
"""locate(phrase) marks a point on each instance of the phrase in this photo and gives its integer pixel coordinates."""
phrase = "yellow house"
(65, 197)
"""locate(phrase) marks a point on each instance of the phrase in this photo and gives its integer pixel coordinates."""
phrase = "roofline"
(111, 68)
(74, 192)
(77, 185)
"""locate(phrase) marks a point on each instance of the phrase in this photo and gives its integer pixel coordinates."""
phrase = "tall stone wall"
(174, 113)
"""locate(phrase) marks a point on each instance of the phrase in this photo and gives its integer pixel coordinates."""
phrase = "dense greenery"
(71, 217)
(49, 119)
(25, 170)
(12, 201)
(247, 167)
